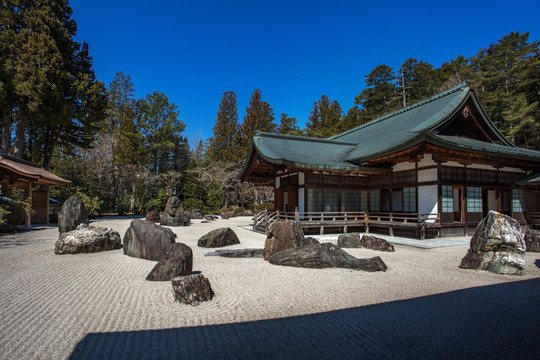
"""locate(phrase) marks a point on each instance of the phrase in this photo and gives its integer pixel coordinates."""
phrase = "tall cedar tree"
(224, 145)
(324, 119)
(50, 91)
(288, 125)
(259, 117)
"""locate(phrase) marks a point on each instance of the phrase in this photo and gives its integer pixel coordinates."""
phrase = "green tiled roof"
(386, 135)
(394, 131)
(485, 147)
(303, 151)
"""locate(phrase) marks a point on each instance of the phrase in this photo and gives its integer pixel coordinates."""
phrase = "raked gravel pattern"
(100, 305)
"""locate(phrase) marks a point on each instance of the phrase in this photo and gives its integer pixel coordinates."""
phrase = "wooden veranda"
(399, 223)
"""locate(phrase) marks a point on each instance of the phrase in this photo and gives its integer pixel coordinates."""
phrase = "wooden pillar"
(47, 194)
(28, 218)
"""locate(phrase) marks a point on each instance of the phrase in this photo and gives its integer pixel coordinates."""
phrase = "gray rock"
(350, 240)
(497, 246)
(177, 262)
(146, 240)
(218, 238)
(326, 255)
(72, 214)
(197, 214)
(174, 214)
(532, 240)
(192, 289)
(87, 239)
(210, 217)
(283, 234)
(224, 216)
(239, 253)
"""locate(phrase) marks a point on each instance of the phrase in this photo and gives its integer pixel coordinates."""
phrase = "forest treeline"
(129, 155)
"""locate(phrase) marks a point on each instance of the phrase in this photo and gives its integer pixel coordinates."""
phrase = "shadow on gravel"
(489, 322)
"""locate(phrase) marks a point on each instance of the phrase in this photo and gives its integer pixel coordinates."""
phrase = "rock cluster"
(87, 239)
(146, 240)
(72, 214)
(497, 246)
(218, 238)
(174, 214)
(354, 240)
(177, 262)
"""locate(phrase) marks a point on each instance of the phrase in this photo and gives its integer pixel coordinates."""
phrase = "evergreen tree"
(417, 81)
(381, 95)
(162, 131)
(507, 76)
(287, 126)
(49, 88)
(324, 118)
(259, 117)
(224, 145)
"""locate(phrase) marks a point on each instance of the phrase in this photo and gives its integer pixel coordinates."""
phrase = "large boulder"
(327, 255)
(532, 240)
(350, 240)
(497, 246)
(72, 214)
(174, 214)
(283, 234)
(192, 289)
(87, 239)
(146, 240)
(218, 238)
(177, 262)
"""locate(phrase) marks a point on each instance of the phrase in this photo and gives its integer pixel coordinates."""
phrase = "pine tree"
(259, 117)
(507, 77)
(381, 95)
(224, 145)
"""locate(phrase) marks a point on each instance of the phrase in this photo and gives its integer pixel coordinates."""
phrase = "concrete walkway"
(422, 244)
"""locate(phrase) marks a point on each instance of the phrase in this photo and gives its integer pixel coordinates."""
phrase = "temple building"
(439, 165)
(34, 181)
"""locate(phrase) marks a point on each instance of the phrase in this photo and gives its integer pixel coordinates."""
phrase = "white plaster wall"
(403, 166)
(278, 181)
(427, 160)
(480, 166)
(427, 200)
(427, 175)
(301, 178)
(512, 169)
(301, 200)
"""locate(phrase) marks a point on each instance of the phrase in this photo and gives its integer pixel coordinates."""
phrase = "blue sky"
(293, 51)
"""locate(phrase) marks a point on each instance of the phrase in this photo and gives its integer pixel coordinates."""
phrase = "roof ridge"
(303, 138)
(438, 96)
